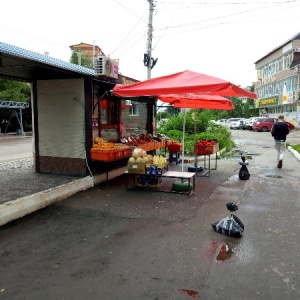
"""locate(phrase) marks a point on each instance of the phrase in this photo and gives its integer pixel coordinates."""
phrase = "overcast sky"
(220, 38)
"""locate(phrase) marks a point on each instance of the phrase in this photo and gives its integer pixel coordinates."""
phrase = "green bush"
(197, 127)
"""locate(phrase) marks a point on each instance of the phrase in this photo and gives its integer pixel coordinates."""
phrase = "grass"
(296, 147)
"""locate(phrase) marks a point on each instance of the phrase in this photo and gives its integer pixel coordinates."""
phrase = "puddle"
(225, 253)
(271, 176)
(221, 253)
(191, 293)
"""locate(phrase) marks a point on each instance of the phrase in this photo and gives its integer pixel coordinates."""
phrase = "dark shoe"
(279, 164)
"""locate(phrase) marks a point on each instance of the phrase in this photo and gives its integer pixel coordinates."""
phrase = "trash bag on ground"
(231, 225)
(244, 173)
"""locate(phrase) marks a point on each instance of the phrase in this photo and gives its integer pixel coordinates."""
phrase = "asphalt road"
(109, 243)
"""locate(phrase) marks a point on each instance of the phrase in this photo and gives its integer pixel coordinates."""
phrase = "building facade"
(134, 118)
(278, 81)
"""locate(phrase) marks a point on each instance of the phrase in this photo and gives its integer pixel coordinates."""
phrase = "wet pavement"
(109, 243)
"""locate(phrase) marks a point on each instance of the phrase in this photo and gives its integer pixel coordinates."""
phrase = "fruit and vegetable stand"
(111, 152)
(206, 148)
(147, 172)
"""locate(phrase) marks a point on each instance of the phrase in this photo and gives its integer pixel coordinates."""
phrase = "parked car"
(221, 122)
(264, 124)
(243, 124)
(249, 123)
(234, 123)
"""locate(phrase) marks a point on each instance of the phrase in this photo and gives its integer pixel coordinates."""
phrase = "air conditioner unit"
(297, 49)
(297, 69)
(105, 66)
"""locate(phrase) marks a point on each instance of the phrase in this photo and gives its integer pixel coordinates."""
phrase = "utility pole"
(149, 43)
(149, 62)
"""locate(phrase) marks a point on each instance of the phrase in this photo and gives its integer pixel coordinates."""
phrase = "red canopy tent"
(187, 86)
(182, 83)
(195, 101)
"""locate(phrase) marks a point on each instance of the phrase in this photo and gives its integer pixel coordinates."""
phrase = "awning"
(182, 83)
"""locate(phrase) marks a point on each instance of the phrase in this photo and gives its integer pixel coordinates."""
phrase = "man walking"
(279, 131)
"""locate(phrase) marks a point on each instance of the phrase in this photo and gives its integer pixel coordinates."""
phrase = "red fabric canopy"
(182, 83)
(195, 101)
(204, 104)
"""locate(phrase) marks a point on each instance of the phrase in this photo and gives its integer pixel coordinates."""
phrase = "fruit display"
(204, 147)
(142, 163)
(107, 151)
(144, 141)
(174, 146)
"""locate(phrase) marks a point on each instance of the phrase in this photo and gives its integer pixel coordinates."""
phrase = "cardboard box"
(136, 168)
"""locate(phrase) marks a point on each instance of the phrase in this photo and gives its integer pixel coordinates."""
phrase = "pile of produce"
(101, 145)
(134, 140)
(204, 147)
(174, 146)
(140, 156)
(206, 143)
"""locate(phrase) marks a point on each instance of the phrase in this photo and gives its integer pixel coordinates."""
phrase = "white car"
(221, 122)
(249, 123)
(234, 123)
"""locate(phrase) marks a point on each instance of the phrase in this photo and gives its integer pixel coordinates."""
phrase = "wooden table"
(189, 176)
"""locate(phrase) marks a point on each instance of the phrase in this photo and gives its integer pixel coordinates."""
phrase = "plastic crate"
(125, 152)
(103, 155)
(204, 150)
(174, 148)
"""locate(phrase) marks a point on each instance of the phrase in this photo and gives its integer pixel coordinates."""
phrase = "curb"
(294, 152)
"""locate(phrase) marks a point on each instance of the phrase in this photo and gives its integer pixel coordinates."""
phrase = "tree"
(11, 90)
(82, 57)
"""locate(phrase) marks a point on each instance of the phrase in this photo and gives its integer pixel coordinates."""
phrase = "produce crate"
(103, 155)
(204, 150)
(119, 154)
(174, 148)
(136, 168)
(125, 152)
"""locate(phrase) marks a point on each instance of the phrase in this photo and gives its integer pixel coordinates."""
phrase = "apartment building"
(278, 81)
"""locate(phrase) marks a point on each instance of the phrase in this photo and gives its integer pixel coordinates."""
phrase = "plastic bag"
(244, 173)
(231, 226)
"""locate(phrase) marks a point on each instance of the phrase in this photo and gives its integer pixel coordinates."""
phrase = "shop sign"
(287, 98)
(268, 101)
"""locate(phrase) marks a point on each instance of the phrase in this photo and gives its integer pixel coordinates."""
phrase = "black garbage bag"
(244, 173)
(231, 225)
